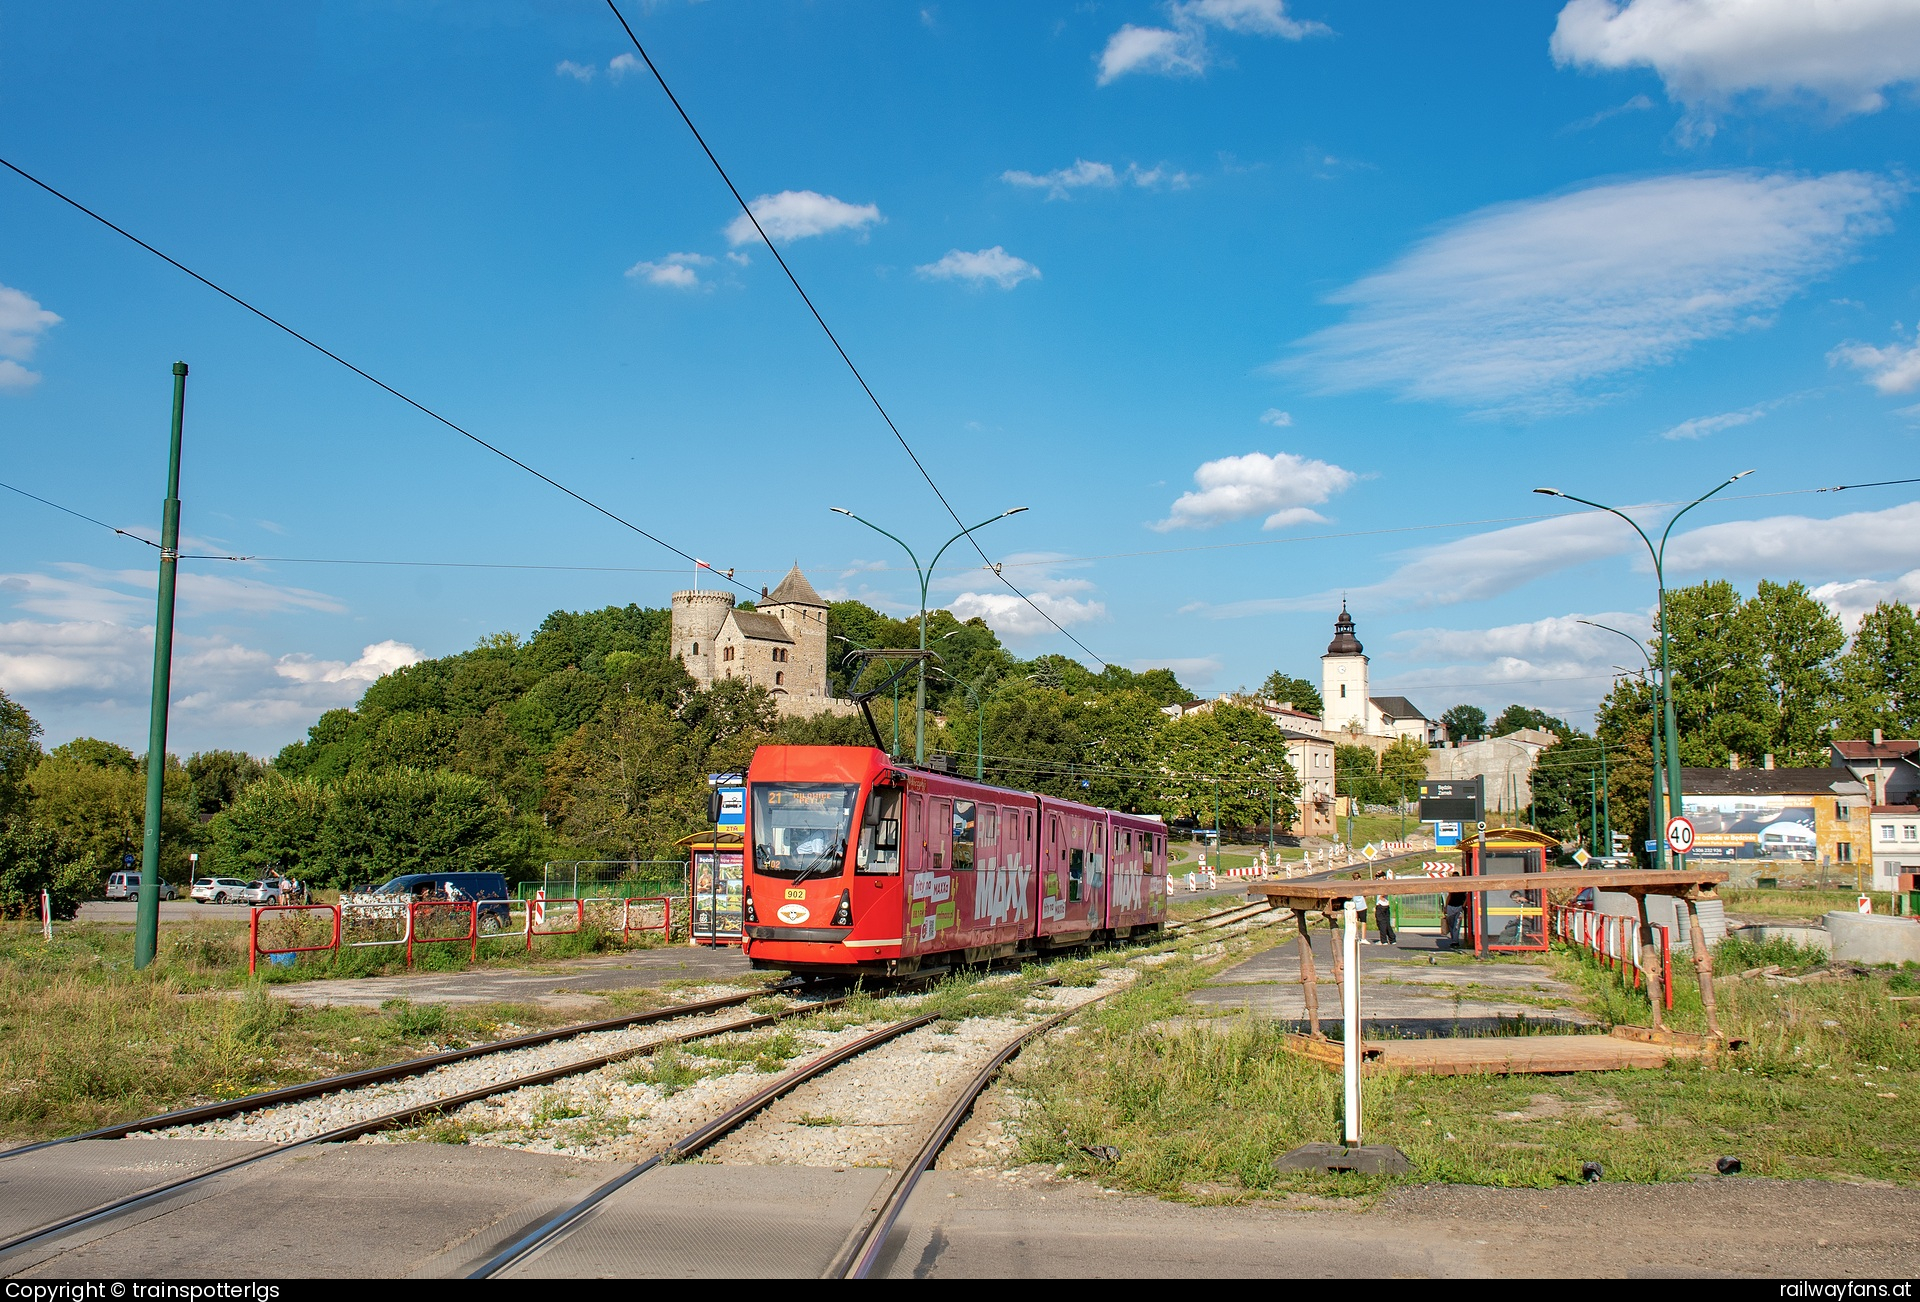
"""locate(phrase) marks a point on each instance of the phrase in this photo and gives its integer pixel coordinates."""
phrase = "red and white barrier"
(1613, 938)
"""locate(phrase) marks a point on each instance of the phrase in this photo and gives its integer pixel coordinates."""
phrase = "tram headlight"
(843, 916)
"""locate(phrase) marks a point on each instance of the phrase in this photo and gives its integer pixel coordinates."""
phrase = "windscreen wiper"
(817, 861)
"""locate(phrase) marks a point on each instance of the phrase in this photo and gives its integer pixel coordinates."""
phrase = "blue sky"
(1252, 303)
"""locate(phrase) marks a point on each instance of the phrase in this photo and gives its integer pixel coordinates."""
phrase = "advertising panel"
(1779, 828)
(719, 896)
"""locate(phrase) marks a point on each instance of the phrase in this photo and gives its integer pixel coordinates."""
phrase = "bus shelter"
(1514, 919)
(716, 889)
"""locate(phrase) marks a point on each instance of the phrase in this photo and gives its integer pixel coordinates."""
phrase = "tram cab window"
(802, 828)
(878, 851)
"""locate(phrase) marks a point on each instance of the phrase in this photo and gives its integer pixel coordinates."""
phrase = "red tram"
(858, 865)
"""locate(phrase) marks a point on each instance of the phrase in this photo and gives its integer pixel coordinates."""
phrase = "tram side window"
(964, 826)
(1076, 872)
(879, 848)
(989, 825)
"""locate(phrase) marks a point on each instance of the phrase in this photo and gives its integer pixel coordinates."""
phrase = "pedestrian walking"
(1383, 921)
(1456, 915)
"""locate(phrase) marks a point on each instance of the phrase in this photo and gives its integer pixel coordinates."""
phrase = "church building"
(1349, 713)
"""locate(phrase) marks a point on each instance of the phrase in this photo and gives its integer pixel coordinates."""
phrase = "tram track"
(701, 1137)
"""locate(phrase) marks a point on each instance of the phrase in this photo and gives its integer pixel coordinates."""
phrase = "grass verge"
(1198, 1107)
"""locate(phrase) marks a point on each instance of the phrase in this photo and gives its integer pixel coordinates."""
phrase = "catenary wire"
(832, 338)
(324, 351)
(79, 515)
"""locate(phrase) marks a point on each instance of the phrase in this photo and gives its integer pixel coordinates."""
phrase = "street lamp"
(1659, 771)
(980, 717)
(1659, 555)
(926, 575)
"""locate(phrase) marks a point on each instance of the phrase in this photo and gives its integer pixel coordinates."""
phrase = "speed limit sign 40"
(1679, 834)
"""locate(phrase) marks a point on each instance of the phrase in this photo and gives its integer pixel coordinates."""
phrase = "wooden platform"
(1504, 1055)
(1318, 895)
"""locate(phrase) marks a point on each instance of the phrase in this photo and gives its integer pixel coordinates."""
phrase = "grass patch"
(1796, 905)
(668, 1071)
(766, 1052)
(1199, 1109)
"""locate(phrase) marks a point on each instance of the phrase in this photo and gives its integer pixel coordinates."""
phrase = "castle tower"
(697, 617)
(1343, 679)
(804, 614)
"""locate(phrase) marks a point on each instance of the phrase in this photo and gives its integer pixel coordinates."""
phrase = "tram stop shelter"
(1626, 1046)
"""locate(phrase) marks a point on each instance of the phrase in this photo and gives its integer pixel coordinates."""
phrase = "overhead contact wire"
(421, 407)
(833, 339)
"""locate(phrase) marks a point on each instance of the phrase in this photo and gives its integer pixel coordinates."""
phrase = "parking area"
(170, 911)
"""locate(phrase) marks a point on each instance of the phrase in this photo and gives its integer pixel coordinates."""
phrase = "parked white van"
(126, 886)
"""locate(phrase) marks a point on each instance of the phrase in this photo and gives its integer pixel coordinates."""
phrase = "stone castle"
(781, 645)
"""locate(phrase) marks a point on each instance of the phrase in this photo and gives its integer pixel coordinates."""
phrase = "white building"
(1895, 838)
(1348, 707)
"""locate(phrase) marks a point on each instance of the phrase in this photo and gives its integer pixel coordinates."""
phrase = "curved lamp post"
(1659, 770)
(1659, 555)
(926, 575)
(980, 718)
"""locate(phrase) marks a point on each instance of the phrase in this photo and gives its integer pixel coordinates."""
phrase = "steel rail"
(395, 1071)
(701, 1137)
(388, 1120)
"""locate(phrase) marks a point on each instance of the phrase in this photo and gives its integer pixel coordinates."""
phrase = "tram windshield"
(800, 829)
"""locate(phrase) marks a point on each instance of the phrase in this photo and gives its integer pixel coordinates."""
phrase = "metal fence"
(600, 879)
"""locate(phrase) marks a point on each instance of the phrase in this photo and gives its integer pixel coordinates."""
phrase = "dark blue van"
(489, 890)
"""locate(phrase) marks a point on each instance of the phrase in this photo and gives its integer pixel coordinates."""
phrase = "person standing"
(1383, 920)
(1456, 915)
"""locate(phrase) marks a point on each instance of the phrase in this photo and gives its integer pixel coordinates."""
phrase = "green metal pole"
(146, 930)
(1606, 808)
(1593, 809)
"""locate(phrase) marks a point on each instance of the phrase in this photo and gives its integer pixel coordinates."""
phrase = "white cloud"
(1790, 546)
(577, 71)
(797, 214)
(82, 592)
(1193, 671)
(1558, 643)
(1083, 175)
(1525, 307)
(22, 322)
(1854, 598)
(1893, 369)
(675, 271)
(1009, 616)
(1468, 569)
(1282, 485)
(376, 660)
(622, 64)
(1058, 183)
(1182, 49)
(1846, 52)
(1638, 104)
(1701, 426)
(1275, 417)
(994, 264)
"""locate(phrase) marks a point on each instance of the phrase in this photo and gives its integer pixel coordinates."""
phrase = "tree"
(1356, 773)
(1563, 786)
(1624, 721)
(1303, 695)
(217, 777)
(1719, 689)
(1879, 676)
(1516, 717)
(98, 809)
(33, 858)
(19, 752)
(384, 824)
(274, 822)
(1465, 723)
(1402, 767)
(1800, 642)
(1224, 765)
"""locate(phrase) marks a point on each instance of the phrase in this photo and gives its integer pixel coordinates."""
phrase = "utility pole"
(1593, 808)
(146, 930)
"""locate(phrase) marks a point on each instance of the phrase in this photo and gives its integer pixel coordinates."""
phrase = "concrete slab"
(1403, 991)
(43, 1188)
(570, 983)
(366, 1211)
(966, 1225)
(703, 1222)
(1874, 938)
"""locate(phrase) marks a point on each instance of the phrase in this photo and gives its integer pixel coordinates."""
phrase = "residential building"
(1505, 763)
(1367, 720)
(1896, 843)
(1890, 770)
